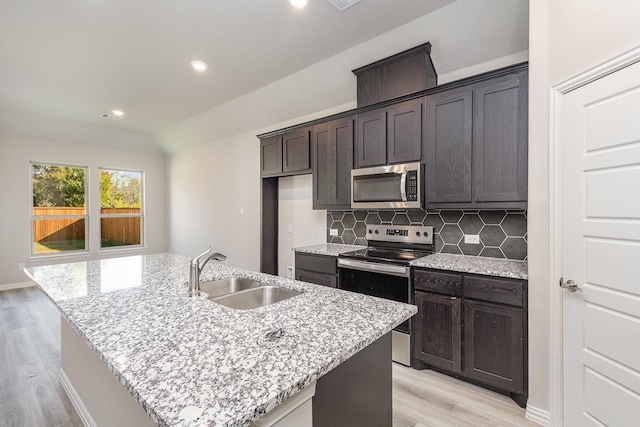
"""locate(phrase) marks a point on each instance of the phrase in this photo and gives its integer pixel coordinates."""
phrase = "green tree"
(120, 189)
(62, 186)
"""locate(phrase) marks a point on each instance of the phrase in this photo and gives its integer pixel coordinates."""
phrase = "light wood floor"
(31, 395)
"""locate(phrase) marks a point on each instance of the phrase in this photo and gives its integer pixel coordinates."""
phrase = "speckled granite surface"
(170, 351)
(332, 249)
(472, 264)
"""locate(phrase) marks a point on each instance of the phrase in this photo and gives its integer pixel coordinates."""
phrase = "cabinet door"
(332, 159)
(494, 346)
(449, 152)
(329, 280)
(322, 158)
(437, 339)
(295, 151)
(500, 140)
(271, 156)
(342, 133)
(405, 132)
(372, 138)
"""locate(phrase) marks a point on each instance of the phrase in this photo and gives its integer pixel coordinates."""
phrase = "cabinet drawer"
(433, 281)
(492, 289)
(318, 263)
(329, 280)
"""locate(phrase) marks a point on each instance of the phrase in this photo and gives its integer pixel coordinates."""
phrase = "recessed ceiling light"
(199, 65)
(118, 113)
(298, 3)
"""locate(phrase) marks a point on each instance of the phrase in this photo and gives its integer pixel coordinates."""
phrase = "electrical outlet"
(290, 272)
(472, 239)
(333, 232)
(241, 211)
(290, 228)
(21, 266)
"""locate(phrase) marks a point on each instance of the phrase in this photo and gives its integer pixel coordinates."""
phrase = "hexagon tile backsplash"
(503, 234)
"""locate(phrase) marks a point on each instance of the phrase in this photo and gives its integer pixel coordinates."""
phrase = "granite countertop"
(331, 249)
(171, 352)
(477, 265)
(462, 263)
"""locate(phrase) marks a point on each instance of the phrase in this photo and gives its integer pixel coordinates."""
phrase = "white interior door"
(601, 250)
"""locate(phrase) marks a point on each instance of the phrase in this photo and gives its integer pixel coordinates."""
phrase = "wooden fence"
(125, 230)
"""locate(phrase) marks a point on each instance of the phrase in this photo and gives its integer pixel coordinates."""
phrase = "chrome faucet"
(197, 264)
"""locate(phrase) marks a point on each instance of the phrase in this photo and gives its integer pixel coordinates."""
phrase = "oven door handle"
(394, 270)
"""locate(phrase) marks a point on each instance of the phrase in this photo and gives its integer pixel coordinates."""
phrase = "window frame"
(85, 217)
(140, 215)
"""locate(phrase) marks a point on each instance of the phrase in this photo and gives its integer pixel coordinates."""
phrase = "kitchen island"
(189, 361)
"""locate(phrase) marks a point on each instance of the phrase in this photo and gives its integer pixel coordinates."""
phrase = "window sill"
(82, 256)
(56, 256)
(105, 252)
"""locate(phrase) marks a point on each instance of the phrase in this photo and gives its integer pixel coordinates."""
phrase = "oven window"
(378, 285)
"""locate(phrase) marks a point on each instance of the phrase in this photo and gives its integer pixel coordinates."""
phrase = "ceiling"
(74, 60)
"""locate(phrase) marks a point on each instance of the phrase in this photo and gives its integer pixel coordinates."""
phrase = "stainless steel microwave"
(387, 187)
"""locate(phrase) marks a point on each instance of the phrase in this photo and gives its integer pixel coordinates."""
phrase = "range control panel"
(401, 233)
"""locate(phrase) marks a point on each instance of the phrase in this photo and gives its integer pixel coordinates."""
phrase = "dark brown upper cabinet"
(449, 150)
(271, 156)
(389, 135)
(477, 145)
(332, 161)
(372, 138)
(287, 154)
(500, 140)
(402, 74)
(295, 151)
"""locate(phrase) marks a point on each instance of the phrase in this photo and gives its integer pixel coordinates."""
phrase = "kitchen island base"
(355, 393)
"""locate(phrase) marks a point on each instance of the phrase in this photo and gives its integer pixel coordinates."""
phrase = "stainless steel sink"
(255, 297)
(230, 285)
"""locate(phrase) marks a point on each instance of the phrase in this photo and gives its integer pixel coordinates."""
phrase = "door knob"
(571, 285)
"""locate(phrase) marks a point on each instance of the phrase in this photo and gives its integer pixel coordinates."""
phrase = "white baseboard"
(11, 286)
(81, 409)
(538, 416)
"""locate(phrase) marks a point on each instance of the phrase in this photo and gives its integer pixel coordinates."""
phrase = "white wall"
(210, 183)
(16, 153)
(308, 227)
(566, 38)
(208, 187)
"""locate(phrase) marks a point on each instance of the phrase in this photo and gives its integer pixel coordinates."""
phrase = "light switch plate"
(472, 239)
(333, 232)
(290, 272)
(21, 266)
(290, 228)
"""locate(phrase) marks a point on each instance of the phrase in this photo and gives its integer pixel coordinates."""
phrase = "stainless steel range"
(383, 270)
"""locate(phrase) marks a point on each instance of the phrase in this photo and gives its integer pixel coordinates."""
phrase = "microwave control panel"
(412, 186)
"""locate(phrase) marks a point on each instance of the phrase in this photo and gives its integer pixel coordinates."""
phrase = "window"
(59, 214)
(120, 208)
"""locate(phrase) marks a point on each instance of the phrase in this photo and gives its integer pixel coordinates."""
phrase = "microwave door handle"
(403, 186)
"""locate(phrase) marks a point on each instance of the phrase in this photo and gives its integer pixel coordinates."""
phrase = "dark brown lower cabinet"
(474, 328)
(438, 324)
(318, 269)
(493, 338)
